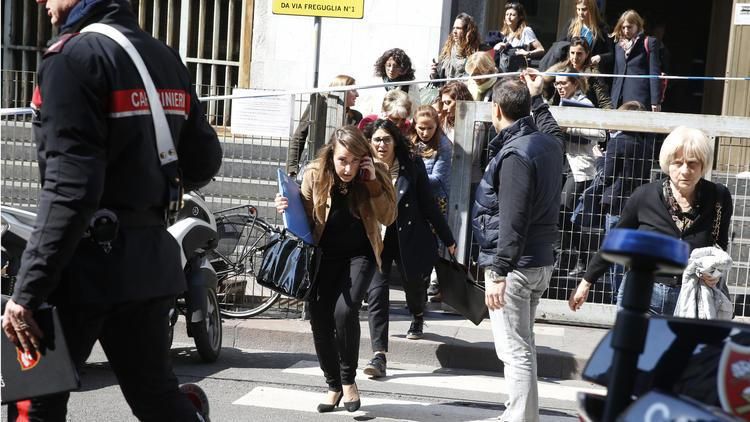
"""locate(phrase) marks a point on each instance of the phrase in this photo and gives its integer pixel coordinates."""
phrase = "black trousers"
(334, 316)
(379, 302)
(134, 337)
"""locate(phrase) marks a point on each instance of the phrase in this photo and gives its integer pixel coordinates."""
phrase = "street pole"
(317, 112)
(316, 48)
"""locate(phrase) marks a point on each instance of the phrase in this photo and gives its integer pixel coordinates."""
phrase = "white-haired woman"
(396, 107)
(683, 205)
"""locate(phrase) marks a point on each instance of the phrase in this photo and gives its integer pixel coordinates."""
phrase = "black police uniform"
(96, 150)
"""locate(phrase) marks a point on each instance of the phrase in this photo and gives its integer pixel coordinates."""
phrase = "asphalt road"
(247, 385)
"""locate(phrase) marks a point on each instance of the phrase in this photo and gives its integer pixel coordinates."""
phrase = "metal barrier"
(250, 162)
(472, 134)
(247, 174)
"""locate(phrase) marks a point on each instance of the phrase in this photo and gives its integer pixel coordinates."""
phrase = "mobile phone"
(362, 173)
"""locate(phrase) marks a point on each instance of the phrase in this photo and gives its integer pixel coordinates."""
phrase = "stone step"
(275, 152)
(255, 170)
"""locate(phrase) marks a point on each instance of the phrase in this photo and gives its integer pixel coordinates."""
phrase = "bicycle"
(242, 236)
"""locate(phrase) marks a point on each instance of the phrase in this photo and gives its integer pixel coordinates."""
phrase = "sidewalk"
(450, 341)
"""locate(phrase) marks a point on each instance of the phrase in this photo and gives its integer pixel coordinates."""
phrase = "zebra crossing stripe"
(557, 390)
(384, 409)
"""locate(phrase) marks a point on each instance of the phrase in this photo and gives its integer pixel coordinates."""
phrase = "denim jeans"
(513, 331)
(616, 271)
(663, 298)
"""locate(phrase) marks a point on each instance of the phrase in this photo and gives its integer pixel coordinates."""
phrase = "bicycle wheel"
(238, 293)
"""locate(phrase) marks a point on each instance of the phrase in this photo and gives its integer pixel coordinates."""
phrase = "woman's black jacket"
(418, 213)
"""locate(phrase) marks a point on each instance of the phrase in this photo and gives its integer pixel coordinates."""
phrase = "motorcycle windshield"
(705, 360)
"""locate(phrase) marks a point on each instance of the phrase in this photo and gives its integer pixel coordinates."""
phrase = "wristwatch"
(494, 277)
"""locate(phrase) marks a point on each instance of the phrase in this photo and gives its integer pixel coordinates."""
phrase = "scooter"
(195, 231)
(659, 368)
(16, 226)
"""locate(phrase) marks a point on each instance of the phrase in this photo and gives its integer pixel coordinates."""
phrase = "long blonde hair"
(354, 141)
(630, 16)
(593, 21)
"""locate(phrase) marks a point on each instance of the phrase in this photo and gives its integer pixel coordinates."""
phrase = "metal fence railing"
(578, 242)
(247, 174)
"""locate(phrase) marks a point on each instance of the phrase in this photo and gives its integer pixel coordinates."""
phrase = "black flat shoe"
(327, 407)
(353, 406)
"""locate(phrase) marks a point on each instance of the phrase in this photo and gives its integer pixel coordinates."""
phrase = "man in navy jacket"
(515, 222)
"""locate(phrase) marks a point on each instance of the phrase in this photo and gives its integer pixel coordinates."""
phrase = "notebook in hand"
(50, 371)
(295, 218)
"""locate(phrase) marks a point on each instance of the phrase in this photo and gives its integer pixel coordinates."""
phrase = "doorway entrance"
(684, 29)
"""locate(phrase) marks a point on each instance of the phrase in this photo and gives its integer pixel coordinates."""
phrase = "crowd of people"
(524, 214)
(376, 195)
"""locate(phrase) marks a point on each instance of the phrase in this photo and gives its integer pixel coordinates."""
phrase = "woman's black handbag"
(508, 61)
(460, 291)
(289, 266)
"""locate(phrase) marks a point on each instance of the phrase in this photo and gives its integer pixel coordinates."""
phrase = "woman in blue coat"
(636, 54)
(409, 240)
(435, 149)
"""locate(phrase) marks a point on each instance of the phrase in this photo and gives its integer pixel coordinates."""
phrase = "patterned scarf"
(683, 220)
(627, 45)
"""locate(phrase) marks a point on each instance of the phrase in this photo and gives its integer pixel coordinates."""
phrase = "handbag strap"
(273, 239)
(717, 223)
(717, 218)
(164, 142)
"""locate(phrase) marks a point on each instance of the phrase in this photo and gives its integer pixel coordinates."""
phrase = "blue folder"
(295, 217)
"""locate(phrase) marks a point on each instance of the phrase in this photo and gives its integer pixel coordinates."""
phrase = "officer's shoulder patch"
(60, 43)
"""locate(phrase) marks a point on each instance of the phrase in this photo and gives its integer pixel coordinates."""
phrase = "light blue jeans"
(513, 331)
(663, 298)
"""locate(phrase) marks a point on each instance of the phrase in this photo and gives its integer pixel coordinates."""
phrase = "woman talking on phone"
(347, 196)
(408, 240)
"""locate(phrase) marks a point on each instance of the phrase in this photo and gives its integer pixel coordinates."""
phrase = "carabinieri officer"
(100, 250)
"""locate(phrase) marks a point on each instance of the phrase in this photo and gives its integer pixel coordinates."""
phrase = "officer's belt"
(140, 218)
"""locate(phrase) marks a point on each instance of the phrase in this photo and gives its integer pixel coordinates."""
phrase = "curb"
(449, 342)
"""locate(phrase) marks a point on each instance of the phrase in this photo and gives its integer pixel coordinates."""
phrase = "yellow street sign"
(349, 9)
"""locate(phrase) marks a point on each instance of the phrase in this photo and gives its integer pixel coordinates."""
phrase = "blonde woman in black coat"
(636, 54)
